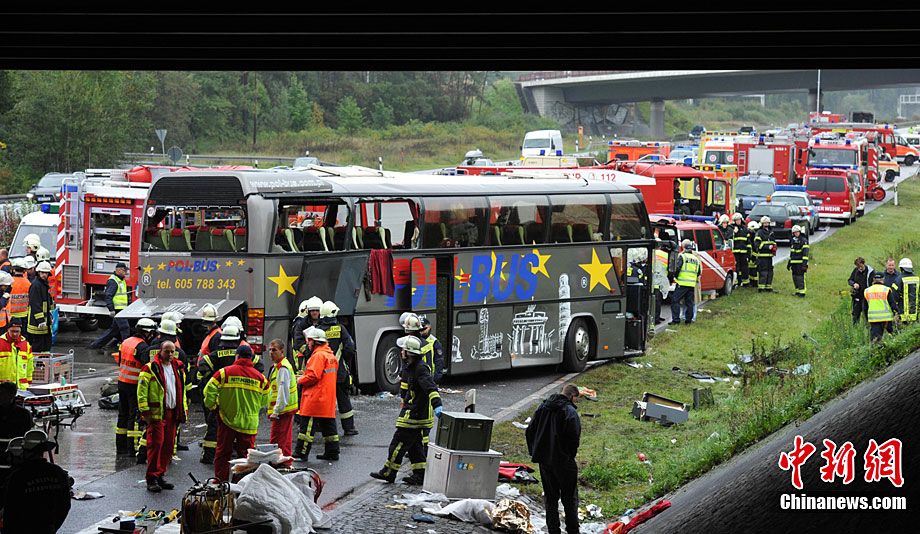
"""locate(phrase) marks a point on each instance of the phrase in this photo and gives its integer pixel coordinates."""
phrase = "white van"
(542, 143)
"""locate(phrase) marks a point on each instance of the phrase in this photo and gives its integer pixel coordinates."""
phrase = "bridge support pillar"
(656, 119)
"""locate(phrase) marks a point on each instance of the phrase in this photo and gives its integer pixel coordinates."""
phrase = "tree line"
(66, 121)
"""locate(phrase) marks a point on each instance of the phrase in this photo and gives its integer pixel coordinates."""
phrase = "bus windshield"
(211, 228)
(831, 156)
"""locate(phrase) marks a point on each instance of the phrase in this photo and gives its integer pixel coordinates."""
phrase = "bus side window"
(626, 216)
(518, 220)
(386, 224)
(578, 218)
(457, 221)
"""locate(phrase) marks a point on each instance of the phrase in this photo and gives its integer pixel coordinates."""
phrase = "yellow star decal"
(161, 266)
(217, 266)
(147, 269)
(540, 267)
(241, 262)
(500, 269)
(597, 270)
(285, 282)
(463, 277)
(229, 263)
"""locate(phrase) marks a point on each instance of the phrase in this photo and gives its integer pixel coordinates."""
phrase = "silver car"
(805, 203)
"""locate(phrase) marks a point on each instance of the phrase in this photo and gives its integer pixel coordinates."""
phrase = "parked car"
(48, 189)
(752, 189)
(697, 132)
(714, 250)
(783, 216)
(796, 194)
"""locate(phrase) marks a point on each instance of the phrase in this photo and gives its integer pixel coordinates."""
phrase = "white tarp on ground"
(286, 500)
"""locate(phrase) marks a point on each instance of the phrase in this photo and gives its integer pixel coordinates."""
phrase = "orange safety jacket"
(5, 316)
(320, 373)
(130, 368)
(207, 340)
(19, 296)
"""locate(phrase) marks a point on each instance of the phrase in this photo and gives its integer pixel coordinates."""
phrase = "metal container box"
(50, 368)
(464, 431)
(462, 474)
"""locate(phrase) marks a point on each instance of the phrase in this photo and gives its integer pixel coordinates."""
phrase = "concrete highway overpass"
(593, 98)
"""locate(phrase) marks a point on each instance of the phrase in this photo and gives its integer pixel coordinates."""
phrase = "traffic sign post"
(162, 135)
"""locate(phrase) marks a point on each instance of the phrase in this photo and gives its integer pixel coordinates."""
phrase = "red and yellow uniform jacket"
(16, 363)
(151, 389)
(238, 392)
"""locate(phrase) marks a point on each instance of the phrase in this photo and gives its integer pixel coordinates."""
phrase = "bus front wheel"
(579, 346)
(387, 363)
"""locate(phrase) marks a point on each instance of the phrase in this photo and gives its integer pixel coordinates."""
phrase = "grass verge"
(749, 407)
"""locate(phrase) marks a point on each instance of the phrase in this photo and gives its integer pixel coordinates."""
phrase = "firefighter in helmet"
(798, 260)
(764, 250)
(308, 315)
(910, 291)
(343, 346)
(741, 248)
(41, 306)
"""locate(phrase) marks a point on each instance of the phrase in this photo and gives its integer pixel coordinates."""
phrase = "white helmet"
(43, 254)
(413, 323)
(167, 327)
(6, 279)
(209, 313)
(28, 262)
(173, 316)
(18, 263)
(312, 303)
(329, 309)
(230, 333)
(232, 320)
(723, 218)
(43, 267)
(410, 344)
(764, 220)
(33, 241)
(737, 216)
(753, 225)
(905, 263)
(146, 324)
(796, 228)
(316, 334)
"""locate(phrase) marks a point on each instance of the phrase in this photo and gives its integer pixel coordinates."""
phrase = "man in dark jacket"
(553, 437)
(764, 250)
(859, 280)
(35, 481)
(117, 298)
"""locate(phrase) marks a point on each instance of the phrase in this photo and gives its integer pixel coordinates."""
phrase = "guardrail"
(4, 199)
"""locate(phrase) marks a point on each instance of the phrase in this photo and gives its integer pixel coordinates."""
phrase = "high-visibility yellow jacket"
(879, 309)
(910, 292)
(16, 363)
(292, 387)
(151, 390)
(690, 270)
(238, 392)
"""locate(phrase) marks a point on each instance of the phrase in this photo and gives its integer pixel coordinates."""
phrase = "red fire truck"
(769, 157)
(884, 134)
(682, 190)
(99, 227)
(825, 117)
(634, 150)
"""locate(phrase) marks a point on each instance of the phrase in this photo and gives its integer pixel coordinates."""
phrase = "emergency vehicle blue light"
(610, 143)
(45, 207)
(69, 189)
(761, 139)
(542, 152)
(718, 167)
(558, 152)
(656, 144)
(848, 141)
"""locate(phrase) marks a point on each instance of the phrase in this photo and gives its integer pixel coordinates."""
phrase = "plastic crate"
(50, 367)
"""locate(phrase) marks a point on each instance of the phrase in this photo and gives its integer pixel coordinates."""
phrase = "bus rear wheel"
(579, 347)
(387, 363)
